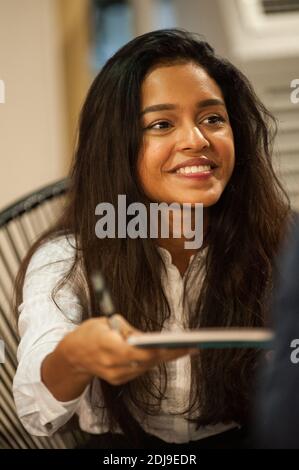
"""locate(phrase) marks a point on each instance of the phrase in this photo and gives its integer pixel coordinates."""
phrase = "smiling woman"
(165, 121)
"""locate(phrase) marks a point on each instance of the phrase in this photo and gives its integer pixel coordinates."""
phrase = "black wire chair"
(20, 225)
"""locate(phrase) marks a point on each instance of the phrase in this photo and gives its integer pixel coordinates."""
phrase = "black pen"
(104, 300)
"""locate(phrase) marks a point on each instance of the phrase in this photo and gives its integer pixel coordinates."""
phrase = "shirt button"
(49, 426)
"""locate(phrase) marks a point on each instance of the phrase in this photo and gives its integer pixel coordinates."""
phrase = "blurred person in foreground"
(277, 413)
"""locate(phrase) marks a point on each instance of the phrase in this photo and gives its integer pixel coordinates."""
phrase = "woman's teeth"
(194, 169)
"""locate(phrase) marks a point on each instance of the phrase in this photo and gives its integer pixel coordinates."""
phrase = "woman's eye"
(159, 125)
(215, 119)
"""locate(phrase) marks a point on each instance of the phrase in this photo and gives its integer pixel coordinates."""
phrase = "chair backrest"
(20, 225)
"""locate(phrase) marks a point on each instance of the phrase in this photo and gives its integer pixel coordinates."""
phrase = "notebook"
(205, 338)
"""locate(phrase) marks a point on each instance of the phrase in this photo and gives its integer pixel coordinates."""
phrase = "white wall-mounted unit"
(262, 28)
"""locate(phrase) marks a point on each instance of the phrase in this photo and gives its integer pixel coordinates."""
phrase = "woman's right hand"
(94, 349)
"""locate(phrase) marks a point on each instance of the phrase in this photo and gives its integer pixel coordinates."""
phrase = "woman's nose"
(192, 138)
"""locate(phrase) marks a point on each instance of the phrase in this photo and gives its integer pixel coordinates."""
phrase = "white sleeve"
(42, 325)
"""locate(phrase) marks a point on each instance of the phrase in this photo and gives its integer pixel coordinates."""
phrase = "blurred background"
(50, 50)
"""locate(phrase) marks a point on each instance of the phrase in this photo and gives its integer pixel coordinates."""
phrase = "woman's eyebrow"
(169, 106)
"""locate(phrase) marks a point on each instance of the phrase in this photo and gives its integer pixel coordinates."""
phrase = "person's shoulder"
(295, 226)
(290, 244)
(60, 248)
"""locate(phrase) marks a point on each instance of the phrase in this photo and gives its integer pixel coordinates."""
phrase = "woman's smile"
(195, 172)
(196, 168)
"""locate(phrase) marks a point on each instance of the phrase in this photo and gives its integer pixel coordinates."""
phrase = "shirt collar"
(167, 258)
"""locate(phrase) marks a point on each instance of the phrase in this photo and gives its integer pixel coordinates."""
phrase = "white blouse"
(42, 325)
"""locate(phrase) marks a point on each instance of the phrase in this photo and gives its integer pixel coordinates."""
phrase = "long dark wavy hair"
(245, 227)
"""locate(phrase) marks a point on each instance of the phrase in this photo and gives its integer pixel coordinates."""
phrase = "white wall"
(204, 17)
(199, 16)
(32, 119)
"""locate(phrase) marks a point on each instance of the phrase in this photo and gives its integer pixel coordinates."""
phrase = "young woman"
(166, 120)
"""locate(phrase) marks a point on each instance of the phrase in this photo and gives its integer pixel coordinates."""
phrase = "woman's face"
(187, 153)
